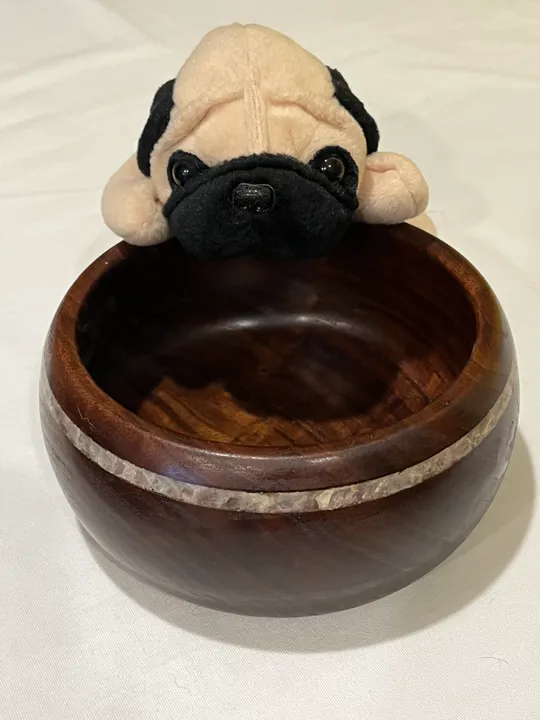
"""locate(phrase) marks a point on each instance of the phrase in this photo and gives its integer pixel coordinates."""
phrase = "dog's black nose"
(258, 198)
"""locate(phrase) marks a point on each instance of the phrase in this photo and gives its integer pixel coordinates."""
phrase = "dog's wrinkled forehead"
(247, 90)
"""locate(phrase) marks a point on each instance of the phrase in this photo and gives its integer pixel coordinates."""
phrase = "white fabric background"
(454, 84)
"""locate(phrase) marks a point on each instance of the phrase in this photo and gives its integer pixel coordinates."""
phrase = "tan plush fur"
(392, 190)
(131, 208)
(246, 90)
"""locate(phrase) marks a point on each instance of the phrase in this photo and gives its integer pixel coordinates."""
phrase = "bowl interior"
(272, 354)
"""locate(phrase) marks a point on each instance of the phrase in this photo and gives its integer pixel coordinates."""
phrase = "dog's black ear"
(352, 104)
(156, 124)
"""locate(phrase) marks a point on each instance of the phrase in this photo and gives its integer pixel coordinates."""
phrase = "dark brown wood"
(281, 376)
(364, 351)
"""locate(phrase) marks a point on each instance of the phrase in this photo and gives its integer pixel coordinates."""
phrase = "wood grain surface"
(278, 377)
(286, 564)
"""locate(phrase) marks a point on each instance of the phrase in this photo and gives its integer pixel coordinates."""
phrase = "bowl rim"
(462, 405)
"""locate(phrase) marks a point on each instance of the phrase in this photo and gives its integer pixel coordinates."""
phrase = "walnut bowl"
(281, 438)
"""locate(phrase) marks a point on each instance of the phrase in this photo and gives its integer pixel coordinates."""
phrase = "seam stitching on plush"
(253, 98)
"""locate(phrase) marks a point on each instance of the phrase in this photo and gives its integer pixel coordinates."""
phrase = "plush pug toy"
(257, 147)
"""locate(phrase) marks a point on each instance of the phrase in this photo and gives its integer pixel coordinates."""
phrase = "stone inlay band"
(294, 501)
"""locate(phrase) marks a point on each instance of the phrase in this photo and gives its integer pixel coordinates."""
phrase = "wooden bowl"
(281, 438)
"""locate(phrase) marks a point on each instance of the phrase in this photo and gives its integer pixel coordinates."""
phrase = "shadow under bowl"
(281, 437)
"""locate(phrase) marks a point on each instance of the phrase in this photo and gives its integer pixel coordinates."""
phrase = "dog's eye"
(181, 172)
(332, 166)
(183, 167)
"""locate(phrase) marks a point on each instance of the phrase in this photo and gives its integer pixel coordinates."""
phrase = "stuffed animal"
(257, 147)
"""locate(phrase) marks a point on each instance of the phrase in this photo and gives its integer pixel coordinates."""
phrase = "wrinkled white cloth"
(454, 85)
